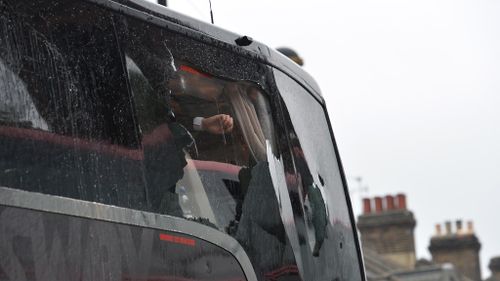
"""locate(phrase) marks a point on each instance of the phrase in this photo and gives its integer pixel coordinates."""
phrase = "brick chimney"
(460, 248)
(494, 266)
(388, 229)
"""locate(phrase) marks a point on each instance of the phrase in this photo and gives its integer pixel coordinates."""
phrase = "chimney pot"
(389, 200)
(470, 227)
(447, 225)
(438, 230)
(459, 227)
(378, 204)
(401, 201)
(367, 206)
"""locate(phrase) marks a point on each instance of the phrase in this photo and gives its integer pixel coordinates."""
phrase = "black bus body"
(104, 174)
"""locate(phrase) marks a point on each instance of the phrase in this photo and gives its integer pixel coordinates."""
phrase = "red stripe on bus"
(177, 239)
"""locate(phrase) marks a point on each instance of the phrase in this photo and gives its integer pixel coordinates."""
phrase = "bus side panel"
(45, 246)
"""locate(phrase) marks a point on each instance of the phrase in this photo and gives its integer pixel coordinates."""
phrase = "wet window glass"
(66, 123)
(324, 230)
(207, 136)
(198, 133)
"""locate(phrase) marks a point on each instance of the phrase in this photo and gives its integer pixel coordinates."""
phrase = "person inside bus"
(168, 130)
(193, 89)
(165, 136)
(196, 93)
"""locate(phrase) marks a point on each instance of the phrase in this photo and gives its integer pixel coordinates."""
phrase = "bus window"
(66, 124)
(319, 203)
(207, 133)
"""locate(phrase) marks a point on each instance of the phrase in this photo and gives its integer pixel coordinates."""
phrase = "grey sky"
(413, 90)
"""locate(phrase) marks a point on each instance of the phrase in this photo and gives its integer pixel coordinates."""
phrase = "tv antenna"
(211, 13)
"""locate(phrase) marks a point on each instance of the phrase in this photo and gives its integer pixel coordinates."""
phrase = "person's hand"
(218, 124)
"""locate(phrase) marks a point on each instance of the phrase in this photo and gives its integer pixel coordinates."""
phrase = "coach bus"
(137, 143)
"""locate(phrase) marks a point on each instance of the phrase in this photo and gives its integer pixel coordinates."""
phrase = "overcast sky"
(413, 90)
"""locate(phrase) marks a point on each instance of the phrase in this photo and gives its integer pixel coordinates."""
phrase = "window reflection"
(326, 234)
(308, 201)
